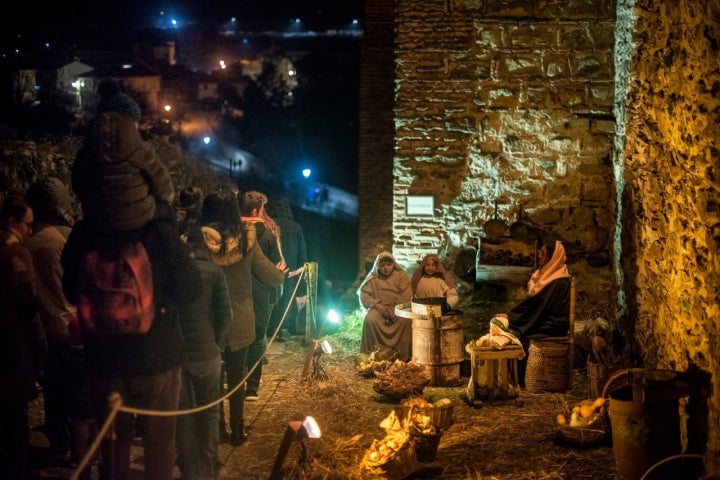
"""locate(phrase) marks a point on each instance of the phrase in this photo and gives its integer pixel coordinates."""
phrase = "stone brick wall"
(508, 103)
(670, 166)
(376, 132)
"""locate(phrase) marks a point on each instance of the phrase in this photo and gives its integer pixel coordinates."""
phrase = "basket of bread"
(584, 425)
(393, 457)
(401, 380)
(427, 417)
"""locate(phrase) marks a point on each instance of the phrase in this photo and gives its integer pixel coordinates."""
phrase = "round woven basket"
(592, 435)
(426, 446)
(402, 464)
(547, 366)
(440, 417)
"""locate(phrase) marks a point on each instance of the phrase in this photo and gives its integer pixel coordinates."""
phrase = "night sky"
(139, 13)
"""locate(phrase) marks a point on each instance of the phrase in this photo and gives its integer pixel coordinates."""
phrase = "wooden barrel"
(437, 344)
(645, 421)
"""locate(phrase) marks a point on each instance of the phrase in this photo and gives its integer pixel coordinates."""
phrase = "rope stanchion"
(115, 402)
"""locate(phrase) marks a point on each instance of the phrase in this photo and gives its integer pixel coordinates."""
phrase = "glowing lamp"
(296, 430)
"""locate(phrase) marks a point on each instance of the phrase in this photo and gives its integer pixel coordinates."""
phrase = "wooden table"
(494, 371)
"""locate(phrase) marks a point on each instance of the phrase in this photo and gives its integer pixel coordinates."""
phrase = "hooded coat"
(118, 177)
(240, 267)
(53, 210)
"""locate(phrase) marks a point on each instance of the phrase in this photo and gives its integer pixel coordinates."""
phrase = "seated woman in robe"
(386, 286)
(431, 280)
(546, 310)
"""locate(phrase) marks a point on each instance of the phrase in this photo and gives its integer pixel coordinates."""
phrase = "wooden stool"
(501, 369)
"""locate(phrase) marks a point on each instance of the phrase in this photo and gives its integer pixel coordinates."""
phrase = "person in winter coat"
(22, 341)
(294, 248)
(431, 280)
(69, 423)
(386, 286)
(204, 324)
(120, 181)
(252, 207)
(144, 369)
(233, 246)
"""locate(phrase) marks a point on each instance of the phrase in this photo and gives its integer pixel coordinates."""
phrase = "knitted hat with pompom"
(113, 100)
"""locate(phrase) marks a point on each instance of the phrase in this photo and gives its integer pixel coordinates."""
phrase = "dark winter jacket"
(118, 177)
(205, 321)
(176, 283)
(22, 341)
(292, 240)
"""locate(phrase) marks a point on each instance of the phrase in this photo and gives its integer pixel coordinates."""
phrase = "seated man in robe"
(386, 286)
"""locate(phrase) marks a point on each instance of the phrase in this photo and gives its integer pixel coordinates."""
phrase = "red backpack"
(115, 291)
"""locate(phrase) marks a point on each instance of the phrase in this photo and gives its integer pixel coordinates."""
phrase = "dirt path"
(511, 441)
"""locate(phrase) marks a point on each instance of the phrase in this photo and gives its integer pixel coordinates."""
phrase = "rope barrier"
(116, 405)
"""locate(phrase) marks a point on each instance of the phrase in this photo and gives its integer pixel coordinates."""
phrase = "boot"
(224, 432)
(238, 436)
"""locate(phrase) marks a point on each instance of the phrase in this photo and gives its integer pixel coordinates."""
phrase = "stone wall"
(507, 104)
(670, 165)
(376, 132)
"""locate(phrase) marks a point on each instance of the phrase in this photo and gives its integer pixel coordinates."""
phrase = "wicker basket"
(401, 465)
(440, 417)
(592, 435)
(599, 432)
(398, 388)
(426, 446)
(547, 366)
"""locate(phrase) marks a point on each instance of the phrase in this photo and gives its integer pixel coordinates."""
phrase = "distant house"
(142, 83)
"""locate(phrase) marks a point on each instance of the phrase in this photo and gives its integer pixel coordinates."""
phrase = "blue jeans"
(197, 435)
(153, 392)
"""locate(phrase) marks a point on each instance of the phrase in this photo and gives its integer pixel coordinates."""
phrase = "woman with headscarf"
(233, 245)
(431, 280)
(386, 286)
(546, 311)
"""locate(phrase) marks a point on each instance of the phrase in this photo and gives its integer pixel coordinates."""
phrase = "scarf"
(555, 268)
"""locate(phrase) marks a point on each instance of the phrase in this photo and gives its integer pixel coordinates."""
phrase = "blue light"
(333, 316)
(206, 140)
(306, 172)
(355, 21)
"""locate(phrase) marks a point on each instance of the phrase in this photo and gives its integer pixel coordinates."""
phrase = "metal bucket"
(437, 343)
(645, 422)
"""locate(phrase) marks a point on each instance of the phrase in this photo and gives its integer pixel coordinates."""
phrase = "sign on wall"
(419, 205)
